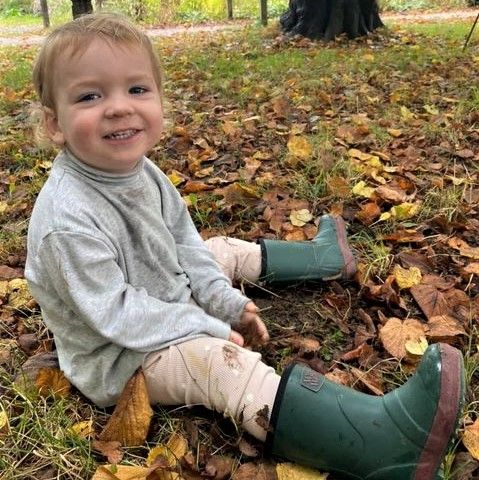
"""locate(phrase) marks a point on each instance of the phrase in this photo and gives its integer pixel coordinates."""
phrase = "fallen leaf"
(372, 381)
(470, 439)
(300, 147)
(291, 471)
(464, 248)
(83, 429)
(111, 450)
(256, 471)
(416, 347)
(131, 418)
(175, 449)
(19, 296)
(472, 268)
(52, 381)
(362, 190)
(395, 333)
(4, 423)
(121, 472)
(407, 277)
(444, 328)
(176, 178)
(220, 467)
(300, 217)
(368, 213)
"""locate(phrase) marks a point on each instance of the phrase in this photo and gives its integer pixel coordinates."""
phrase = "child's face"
(108, 106)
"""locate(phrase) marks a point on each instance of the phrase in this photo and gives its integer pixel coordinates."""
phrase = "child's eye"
(88, 97)
(138, 90)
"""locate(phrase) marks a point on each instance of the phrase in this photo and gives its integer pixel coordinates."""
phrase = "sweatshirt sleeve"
(211, 289)
(84, 273)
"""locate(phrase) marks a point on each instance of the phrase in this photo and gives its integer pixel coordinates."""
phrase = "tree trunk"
(81, 7)
(327, 19)
(45, 15)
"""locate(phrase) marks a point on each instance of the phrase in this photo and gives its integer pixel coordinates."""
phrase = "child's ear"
(52, 127)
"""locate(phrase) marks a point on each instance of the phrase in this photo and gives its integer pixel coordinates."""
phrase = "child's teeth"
(122, 135)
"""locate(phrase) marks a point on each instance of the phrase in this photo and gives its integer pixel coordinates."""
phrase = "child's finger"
(236, 338)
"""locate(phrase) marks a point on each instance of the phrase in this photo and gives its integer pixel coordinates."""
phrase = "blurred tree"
(81, 7)
(327, 19)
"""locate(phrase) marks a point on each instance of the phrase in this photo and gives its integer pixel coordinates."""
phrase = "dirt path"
(28, 35)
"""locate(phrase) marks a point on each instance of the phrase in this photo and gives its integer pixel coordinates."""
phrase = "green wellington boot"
(400, 436)
(326, 257)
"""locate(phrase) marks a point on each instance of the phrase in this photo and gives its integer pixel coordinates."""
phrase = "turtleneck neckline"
(67, 159)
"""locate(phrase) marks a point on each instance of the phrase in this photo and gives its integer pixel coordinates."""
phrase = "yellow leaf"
(407, 277)
(4, 422)
(300, 217)
(384, 216)
(175, 449)
(18, 294)
(368, 57)
(431, 109)
(300, 147)
(406, 114)
(355, 153)
(405, 210)
(176, 178)
(83, 429)
(470, 439)
(121, 472)
(131, 418)
(3, 207)
(417, 346)
(362, 190)
(394, 132)
(291, 471)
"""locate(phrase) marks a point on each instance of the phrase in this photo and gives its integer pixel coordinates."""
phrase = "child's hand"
(251, 327)
(237, 338)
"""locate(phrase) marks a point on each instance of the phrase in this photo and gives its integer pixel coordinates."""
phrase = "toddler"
(124, 280)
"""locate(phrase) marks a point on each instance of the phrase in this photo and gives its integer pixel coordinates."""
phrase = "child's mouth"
(123, 135)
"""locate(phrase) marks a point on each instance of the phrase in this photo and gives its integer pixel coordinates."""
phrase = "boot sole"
(350, 266)
(447, 414)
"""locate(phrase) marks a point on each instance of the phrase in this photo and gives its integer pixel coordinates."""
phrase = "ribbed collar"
(68, 161)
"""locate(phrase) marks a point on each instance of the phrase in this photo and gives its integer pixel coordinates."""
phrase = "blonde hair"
(75, 37)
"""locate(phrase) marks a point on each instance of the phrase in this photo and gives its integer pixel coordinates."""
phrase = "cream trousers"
(214, 372)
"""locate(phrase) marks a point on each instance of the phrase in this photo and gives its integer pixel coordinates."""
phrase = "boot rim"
(268, 444)
(447, 413)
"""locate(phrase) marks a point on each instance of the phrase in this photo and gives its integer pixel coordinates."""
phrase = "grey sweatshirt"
(114, 260)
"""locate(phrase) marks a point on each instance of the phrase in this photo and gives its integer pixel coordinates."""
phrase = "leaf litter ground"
(268, 133)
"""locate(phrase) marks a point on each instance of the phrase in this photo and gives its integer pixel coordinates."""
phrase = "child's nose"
(118, 106)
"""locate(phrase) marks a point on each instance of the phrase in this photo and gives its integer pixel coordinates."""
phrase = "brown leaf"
(464, 248)
(444, 328)
(404, 236)
(305, 344)
(52, 381)
(247, 449)
(220, 467)
(395, 333)
(111, 450)
(9, 273)
(368, 213)
(131, 418)
(340, 377)
(391, 194)
(430, 299)
(370, 380)
(256, 471)
(193, 186)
